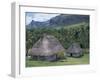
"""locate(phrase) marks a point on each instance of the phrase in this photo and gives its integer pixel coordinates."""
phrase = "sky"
(41, 17)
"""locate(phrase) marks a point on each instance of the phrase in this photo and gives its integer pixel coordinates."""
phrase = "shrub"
(60, 55)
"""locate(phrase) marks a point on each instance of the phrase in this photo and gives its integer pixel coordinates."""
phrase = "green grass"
(68, 61)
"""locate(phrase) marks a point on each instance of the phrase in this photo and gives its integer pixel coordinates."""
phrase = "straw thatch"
(46, 47)
(74, 50)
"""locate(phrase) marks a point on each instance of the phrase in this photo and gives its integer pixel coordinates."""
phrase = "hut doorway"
(71, 54)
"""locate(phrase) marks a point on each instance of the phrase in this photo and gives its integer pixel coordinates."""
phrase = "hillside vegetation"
(66, 35)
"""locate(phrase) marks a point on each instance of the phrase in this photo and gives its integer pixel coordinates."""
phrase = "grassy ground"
(68, 61)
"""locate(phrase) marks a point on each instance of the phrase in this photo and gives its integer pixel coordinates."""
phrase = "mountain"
(60, 20)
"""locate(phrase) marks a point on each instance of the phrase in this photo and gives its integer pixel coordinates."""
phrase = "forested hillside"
(78, 33)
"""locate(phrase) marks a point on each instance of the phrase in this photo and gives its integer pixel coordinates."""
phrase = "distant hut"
(74, 50)
(47, 48)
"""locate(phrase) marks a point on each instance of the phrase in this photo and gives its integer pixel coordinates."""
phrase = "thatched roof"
(46, 46)
(74, 48)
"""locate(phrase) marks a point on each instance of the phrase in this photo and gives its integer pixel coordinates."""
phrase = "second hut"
(74, 50)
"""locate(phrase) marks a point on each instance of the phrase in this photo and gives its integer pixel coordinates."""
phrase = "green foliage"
(60, 55)
(66, 35)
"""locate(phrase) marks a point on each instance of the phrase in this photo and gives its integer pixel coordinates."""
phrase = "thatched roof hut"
(74, 50)
(48, 46)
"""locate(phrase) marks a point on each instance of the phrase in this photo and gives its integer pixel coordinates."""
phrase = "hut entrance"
(71, 54)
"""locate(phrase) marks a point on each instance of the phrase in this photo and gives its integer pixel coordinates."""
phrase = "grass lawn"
(68, 61)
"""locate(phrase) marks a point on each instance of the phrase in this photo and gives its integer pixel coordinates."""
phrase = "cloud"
(28, 19)
(38, 17)
(43, 16)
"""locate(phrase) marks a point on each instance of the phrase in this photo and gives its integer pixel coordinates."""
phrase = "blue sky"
(38, 17)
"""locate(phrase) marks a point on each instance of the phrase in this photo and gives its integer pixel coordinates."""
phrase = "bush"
(61, 55)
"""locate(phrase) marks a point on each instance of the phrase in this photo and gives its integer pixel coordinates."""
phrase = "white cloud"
(38, 17)
(43, 17)
(28, 19)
